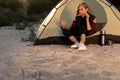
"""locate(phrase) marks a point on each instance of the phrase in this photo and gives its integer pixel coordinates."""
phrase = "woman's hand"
(63, 22)
(87, 16)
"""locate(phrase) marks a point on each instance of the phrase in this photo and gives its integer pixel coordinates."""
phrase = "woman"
(84, 23)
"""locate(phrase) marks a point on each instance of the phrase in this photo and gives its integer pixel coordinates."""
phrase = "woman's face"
(82, 10)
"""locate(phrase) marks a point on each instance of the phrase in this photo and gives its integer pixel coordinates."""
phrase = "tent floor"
(64, 40)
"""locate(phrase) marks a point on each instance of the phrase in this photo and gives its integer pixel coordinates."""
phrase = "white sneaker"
(82, 47)
(75, 45)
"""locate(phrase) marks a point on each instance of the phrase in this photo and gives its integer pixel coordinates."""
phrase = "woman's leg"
(69, 35)
(83, 38)
(73, 39)
(82, 42)
(83, 32)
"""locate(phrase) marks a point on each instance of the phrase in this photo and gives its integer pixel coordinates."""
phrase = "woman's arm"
(63, 22)
(88, 22)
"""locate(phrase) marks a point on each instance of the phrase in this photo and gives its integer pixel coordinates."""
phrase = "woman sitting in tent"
(82, 26)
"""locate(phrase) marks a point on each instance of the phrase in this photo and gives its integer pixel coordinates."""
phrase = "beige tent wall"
(113, 23)
(53, 27)
(112, 27)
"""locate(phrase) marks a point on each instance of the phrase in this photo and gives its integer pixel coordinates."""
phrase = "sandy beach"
(22, 61)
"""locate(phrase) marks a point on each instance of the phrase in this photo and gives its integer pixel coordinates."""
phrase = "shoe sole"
(82, 49)
(73, 47)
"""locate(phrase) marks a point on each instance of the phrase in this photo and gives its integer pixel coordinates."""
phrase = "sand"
(21, 61)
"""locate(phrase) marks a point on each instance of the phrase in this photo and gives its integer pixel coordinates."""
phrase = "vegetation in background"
(18, 11)
(15, 11)
(21, 26)
(31, 36)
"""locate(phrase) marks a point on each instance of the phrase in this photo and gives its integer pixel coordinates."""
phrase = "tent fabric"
(108, 19)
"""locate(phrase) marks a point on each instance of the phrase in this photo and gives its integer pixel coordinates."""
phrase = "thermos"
(102, 38)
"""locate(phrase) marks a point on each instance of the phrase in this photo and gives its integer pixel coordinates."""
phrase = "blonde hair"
(85, 5)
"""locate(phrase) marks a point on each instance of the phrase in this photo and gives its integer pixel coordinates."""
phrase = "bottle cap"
(102, 32)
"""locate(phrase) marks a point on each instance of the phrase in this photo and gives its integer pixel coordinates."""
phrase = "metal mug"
(110, 42)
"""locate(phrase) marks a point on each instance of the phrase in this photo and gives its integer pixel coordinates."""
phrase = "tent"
(108, 19)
